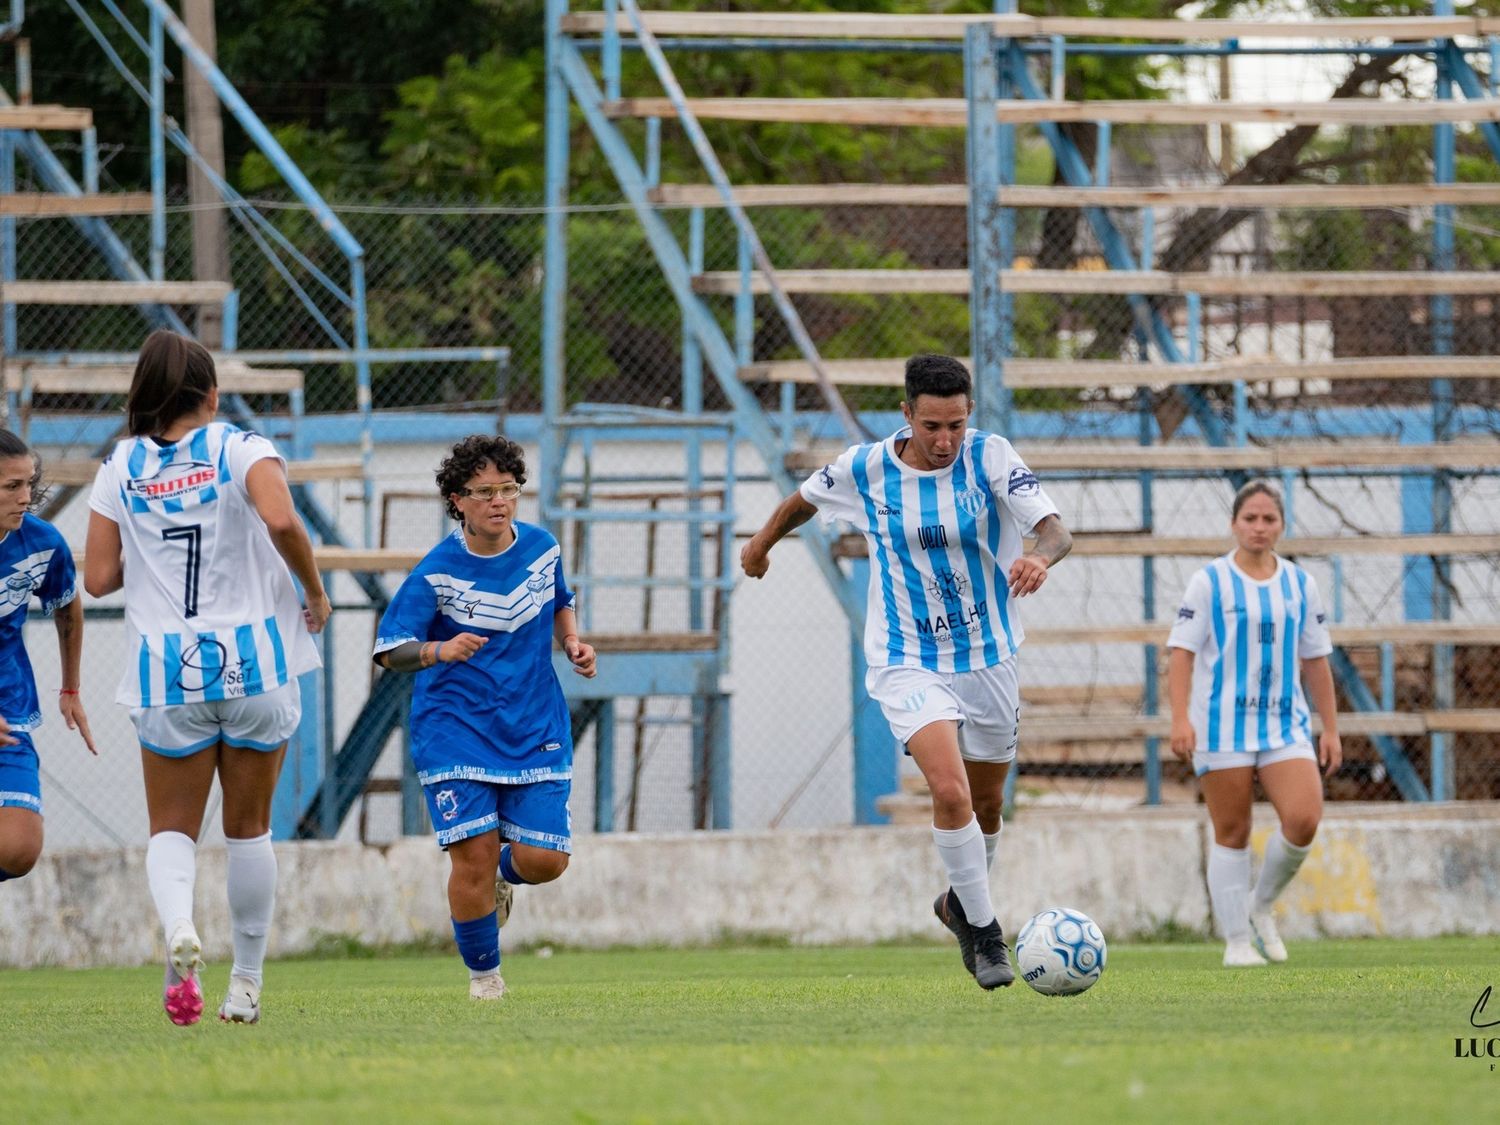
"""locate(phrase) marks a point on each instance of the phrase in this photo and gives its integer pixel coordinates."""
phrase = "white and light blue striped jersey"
(1250, 638)
(942, 542)
(34, 563)
(211, 611)
(499, 716)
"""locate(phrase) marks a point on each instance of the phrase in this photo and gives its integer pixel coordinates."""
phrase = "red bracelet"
(67, 691)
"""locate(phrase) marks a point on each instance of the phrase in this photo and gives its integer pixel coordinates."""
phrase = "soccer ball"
(1060, 952)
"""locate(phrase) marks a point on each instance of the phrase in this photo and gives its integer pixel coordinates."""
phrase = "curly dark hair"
(473, 454)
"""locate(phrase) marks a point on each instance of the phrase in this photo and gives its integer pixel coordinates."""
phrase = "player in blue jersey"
(34, 563)
(943, 509)
(490, 732)
(1250, 632)
(193, 518)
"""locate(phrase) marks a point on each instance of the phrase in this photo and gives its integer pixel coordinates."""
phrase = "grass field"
(1347, 1031)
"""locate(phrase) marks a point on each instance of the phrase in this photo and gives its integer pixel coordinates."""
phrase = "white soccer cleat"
(1241, 955)
(181, 996)
(491, 986)
(241, 1002)
(505, 897)
(1270, 937)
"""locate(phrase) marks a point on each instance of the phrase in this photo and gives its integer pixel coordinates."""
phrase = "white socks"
(252, 898)
(1283, 858)
(991, 846)
(963, 854)
(1229, 891)
(171, 867)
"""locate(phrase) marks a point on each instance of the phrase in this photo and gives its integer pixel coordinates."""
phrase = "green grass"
(1347, 1031)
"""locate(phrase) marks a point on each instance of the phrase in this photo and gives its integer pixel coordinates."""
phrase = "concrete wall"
(1375, 870)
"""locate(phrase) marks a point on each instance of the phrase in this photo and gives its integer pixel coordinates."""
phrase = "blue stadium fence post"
(875, 771)
(8, 333)
(604, 767)
(721, 741)
(1005, 139)
(158, 149)
(982, 149)
(1444, 171)
(555, 262)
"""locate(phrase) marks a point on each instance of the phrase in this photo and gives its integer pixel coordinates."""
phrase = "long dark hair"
(11, 445)
(173, 376)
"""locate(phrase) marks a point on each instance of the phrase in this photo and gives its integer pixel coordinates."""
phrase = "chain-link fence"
(459, 274)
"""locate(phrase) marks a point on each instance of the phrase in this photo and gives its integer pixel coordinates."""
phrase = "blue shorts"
(20, 781)
(535, 813)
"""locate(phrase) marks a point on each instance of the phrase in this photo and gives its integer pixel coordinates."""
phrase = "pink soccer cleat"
(180, 994)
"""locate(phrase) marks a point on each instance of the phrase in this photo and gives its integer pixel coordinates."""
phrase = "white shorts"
(253, 722)
(1251, 759)
(986, 703)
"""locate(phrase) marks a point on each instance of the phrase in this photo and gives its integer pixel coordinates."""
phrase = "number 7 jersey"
(211, 611)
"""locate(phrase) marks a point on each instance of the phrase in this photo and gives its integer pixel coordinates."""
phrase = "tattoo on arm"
(1053, 540)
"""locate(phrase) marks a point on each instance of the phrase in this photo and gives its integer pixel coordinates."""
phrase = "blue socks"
(508, 869)
(479, 944)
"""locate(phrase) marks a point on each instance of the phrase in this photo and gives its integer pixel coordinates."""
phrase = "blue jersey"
(34, 562)
(500, 716)
(942, 542)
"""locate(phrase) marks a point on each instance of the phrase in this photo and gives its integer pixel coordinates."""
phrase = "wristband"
(67, 691)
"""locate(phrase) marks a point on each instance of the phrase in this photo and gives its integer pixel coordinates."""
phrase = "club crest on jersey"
(174, 479)
(971, 501)
(447, 804)
(1022, 482)
(539, 585)
(947, 585)
(26, 576)
(915, 701)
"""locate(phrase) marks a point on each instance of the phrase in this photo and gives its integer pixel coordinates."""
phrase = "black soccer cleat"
(991, 957)
(950, 912)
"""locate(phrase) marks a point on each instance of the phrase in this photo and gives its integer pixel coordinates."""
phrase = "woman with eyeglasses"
(490, 733)
(194, 520)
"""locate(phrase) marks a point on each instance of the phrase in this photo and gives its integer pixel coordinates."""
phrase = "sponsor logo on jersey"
(447, 804)
(1322, 617)
(971, 501)
(1186, 613)
(947, 585)
(825, 474)
(174, 479)
(961, 620)
(933, 536)
(888, 510)
(1022, 482)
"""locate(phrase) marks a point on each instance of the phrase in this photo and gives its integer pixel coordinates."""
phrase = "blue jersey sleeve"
(59, 583)
(411, 616)
(563, 597)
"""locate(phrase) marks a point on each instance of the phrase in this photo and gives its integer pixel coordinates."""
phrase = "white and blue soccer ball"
(1060, 952)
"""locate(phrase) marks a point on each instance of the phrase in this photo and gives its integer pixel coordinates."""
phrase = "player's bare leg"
(965, 908)
(987, 791)
(249, 779)
(176, 794)
(20, 840)
(1295, 790)
(1228, 794)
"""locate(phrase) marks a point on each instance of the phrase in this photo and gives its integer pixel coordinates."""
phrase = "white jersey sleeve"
(244, 448)
(1190, 630)
(834, 492)
(105, 497)
(1314, 640)
(1016, 485)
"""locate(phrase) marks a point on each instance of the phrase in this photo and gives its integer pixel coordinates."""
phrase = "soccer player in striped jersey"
(194, 520)
(943, 508)
(34, 563)
(490, 732)
(1250, 632)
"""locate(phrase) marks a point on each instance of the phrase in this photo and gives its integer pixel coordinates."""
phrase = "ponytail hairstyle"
(173, 376)
(11, 445)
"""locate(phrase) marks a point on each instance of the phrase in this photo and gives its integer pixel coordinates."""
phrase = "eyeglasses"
(487, 492)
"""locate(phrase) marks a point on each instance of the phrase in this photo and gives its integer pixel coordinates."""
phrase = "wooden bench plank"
(1048, 373)
(847, 25)
(1111, 545)
(1265, 196)
(114, 379)
(114, 292)
(952, 113)
(73, 473)
(45, 117)
(41, 204)
(1352, 636)
(1323, 283)
(1121, 728)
